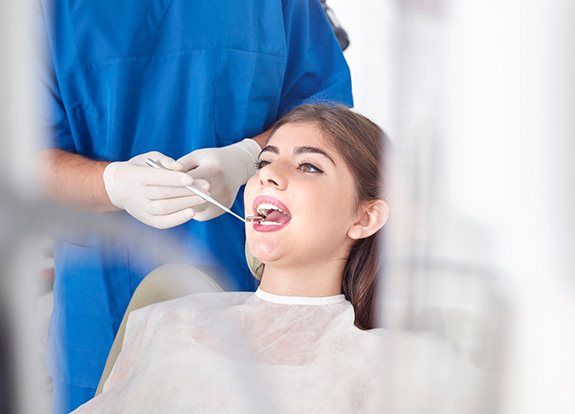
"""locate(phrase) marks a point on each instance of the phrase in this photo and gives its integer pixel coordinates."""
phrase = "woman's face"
(307, 193)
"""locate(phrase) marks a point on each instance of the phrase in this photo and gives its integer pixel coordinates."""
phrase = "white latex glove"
(154, 196)
(226, 169)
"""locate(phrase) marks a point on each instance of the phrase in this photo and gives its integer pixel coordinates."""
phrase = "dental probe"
(201, 194)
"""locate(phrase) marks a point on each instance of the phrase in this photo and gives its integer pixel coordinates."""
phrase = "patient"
(301, 343)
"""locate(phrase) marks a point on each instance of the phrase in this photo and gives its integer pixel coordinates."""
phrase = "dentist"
(192, 83)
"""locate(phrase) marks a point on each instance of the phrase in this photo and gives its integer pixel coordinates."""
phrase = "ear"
(371, 218)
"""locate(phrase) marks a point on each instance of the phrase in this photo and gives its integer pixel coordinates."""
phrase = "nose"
(274, 175)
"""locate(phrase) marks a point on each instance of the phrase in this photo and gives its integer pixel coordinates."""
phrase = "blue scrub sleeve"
(316, 69)
(53, 117)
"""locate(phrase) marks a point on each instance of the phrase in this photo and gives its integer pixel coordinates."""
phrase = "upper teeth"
(262, 208)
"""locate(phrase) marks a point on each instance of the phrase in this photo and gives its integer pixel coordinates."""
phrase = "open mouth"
(273, 212)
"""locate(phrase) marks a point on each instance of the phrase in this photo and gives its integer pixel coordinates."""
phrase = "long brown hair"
(363, 146)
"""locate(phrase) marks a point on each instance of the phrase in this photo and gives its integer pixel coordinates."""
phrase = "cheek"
(250, 193)
(324, 214)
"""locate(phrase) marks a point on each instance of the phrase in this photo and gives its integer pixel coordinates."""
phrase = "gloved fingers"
(204, 171)
(155, 176)
(170, 220)
(202, 185)
(204, 207)
(166, 161)
(173, 205)
(153, 192)
(208, 214)
(191, 160)
(173, 165)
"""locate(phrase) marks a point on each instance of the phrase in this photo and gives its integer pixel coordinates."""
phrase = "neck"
(316, 280)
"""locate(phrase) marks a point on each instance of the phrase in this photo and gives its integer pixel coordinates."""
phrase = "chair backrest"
(164, 283)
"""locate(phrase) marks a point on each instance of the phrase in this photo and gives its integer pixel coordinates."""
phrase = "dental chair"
(164, 283)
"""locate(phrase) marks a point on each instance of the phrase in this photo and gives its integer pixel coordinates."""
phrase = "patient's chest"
(270, 380)
(252, 359)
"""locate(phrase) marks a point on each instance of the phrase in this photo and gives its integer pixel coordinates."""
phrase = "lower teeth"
(269, 223)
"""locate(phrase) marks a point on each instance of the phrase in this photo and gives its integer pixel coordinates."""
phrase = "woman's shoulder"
(211, 300)
(144, 322)
(385, 342)
(185, 307)
(401, 338)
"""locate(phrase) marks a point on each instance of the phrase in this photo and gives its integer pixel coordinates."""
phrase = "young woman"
(301, 343)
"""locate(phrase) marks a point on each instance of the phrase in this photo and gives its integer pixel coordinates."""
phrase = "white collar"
(299, 300)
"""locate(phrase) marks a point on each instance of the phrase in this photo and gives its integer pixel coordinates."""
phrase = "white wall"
(371, 26)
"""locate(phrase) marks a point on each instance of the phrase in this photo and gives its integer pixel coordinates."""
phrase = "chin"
(264, 252)
(265, 248)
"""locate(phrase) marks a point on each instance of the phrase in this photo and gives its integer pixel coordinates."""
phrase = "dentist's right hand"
(154, 196)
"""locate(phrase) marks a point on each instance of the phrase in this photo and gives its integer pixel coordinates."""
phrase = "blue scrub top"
(126, 77)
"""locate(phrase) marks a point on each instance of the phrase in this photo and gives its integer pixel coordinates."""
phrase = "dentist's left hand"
(226, 169)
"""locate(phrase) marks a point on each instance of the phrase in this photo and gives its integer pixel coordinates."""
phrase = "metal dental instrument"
(201, 194)
(255, 218)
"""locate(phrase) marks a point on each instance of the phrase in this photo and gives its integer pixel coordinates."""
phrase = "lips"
(276, 214)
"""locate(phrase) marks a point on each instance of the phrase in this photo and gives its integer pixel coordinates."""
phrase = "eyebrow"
(299, 150)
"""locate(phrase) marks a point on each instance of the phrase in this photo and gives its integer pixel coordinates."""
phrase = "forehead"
(299, 134)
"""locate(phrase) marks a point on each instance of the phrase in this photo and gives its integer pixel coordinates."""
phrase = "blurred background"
(479, 100)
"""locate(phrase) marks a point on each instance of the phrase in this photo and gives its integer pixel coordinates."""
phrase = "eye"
(306, 167)
(261, 164)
